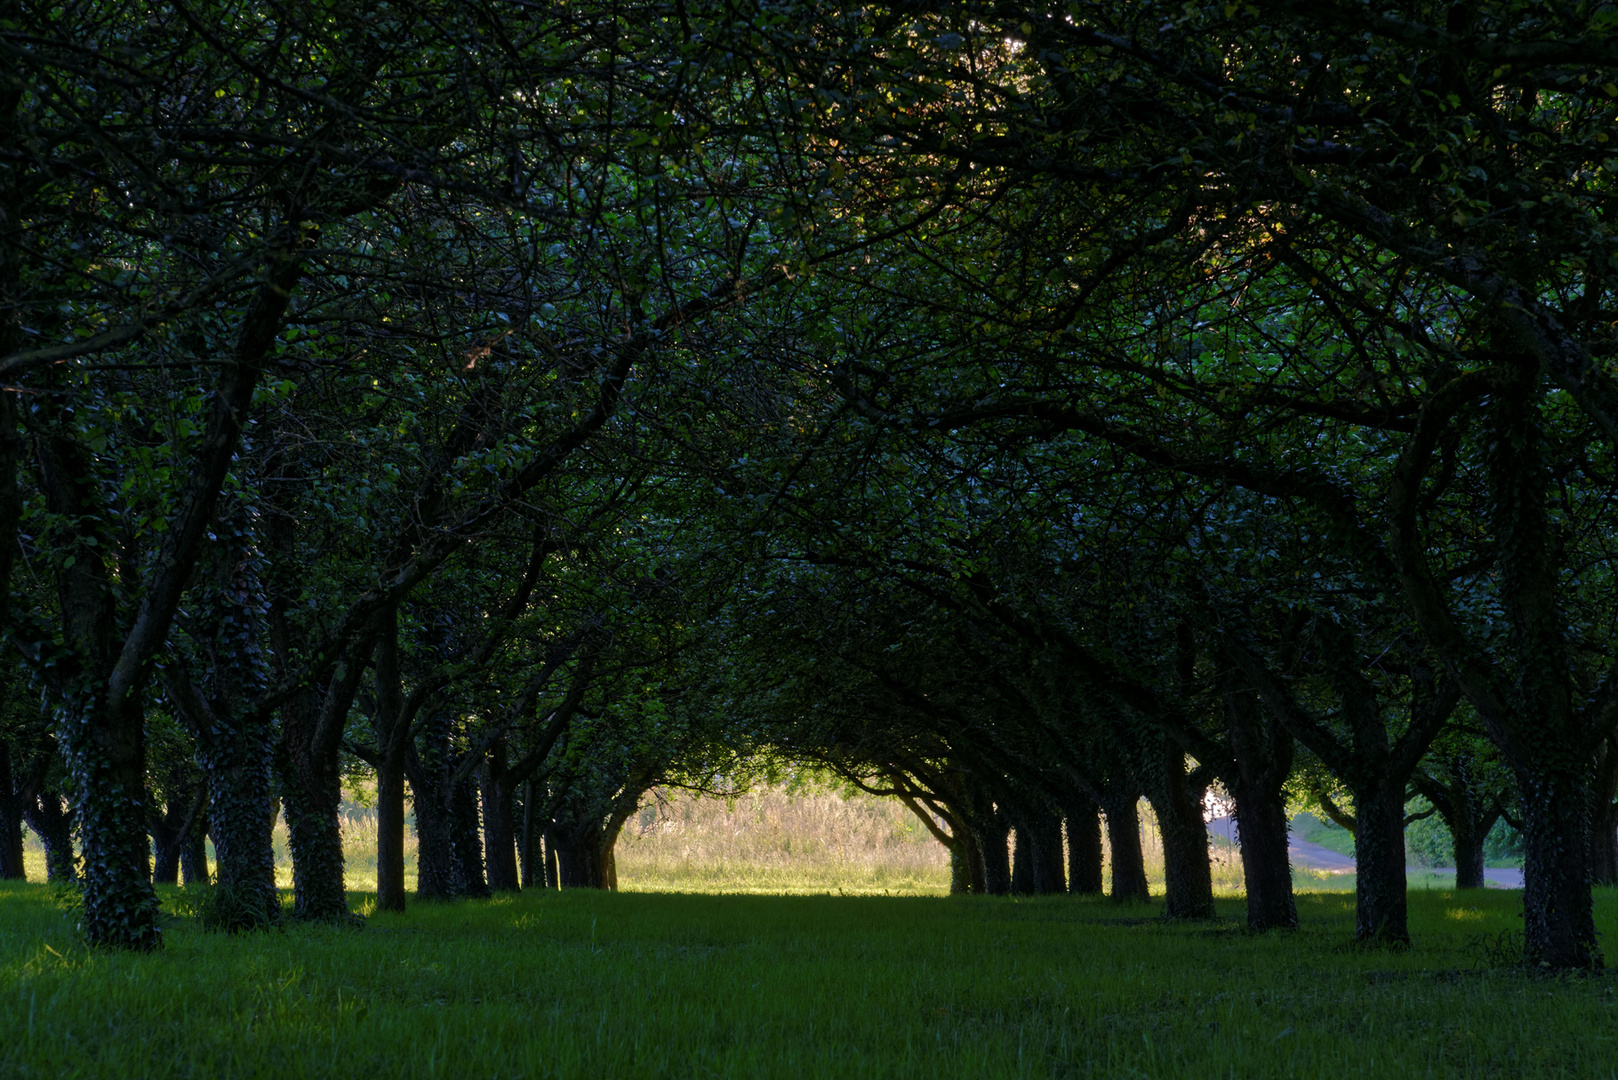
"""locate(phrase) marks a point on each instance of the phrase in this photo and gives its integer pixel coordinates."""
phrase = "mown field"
(640, 984)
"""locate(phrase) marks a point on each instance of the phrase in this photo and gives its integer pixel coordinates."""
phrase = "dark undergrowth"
(609, 985)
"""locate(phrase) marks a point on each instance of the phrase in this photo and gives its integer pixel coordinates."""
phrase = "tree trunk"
(525, 836)
(166, 860)
(170, 834)
(466, 843)
(52, 822)
(235, 758)
(435, 860)
(1262, 753)
(1558, 912)
(11, 867)
(960, 873)
(1467, 840)
(553, 872)
(435, 857)
(1603, 817)
(1045, 842)
(607, 851)
(577, 861)
(1380, 915)
(1549, 745)
(194, 853)
(392, 730)
(313, 800)
(1261, 830)
(499, 828)
(992, 831)
(105, 751)
(427, 767)
(390, 830)
(312, 790)
(1187, 874)
(966, 863)
(1123, 838)
(1084, 848)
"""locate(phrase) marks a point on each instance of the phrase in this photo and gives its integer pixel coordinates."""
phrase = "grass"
(773, 842)
(589, 984)
(692, 971)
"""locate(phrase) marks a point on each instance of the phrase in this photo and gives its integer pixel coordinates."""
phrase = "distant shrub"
(1428, 841)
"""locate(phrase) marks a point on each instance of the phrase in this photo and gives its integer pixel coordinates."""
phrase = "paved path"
(1324, 860)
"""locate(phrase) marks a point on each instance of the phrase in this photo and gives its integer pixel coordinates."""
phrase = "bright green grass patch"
(609, 985)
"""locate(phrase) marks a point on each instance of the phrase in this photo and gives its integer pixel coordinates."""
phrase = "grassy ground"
(633, 984)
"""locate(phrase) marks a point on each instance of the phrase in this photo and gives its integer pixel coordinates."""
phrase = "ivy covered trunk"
(1084, 876)
(309, 764)
(234, 738)
(1558, 911)
(241, 815)
(312, 794)
(1550, 744)
(960, 873)
(100, 725)
(1380, 914)
(966, 864)
(1122, 810)
(435, 864)
(105, 752)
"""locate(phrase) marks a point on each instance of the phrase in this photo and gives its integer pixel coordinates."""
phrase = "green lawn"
(619, 985)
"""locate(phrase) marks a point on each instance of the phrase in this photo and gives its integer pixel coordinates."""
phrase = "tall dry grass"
(771, 842)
